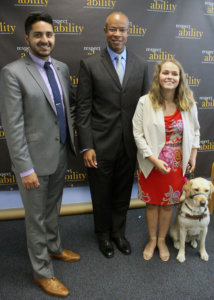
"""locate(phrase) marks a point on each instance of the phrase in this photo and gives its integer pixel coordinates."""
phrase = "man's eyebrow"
(49, 31)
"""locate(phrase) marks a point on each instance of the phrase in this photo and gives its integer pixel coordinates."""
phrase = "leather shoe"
(122, 245)
(66, 255)
(106, 248)
(52, 286)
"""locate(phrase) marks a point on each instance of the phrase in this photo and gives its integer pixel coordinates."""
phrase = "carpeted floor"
(95, 277)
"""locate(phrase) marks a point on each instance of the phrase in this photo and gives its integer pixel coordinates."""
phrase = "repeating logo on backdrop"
(71, 176)
(7, 178)
(67, 27)
(6, 28)
(192, 80)
(206, 146)
(91, 50)
(208, 8)
(162, 6)
(22, 50)
(157, 54)
(105, 4)
(2, 135)
(39, 3)
(188, 32)
(74, 80)
(136, 30)
(207, 57)
(206, 102)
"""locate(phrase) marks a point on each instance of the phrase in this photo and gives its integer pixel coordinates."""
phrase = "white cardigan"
(149, 133)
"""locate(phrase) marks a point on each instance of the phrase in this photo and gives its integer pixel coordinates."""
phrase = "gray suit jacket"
(104, 108)
(29, 118)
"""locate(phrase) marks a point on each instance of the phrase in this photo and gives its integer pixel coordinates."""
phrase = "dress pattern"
(166, 189)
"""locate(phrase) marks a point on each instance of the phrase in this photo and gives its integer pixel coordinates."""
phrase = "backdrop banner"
(159, 30)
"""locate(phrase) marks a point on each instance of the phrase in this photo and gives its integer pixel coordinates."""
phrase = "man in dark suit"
(108, 92)
(35, 109)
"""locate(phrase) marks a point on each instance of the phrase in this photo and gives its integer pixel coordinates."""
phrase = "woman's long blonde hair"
(183, 95)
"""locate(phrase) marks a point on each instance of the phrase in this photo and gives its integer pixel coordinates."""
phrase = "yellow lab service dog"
(192, 219)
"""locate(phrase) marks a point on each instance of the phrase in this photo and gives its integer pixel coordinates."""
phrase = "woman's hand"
(159, 164)
(192, 161)
(162, 166)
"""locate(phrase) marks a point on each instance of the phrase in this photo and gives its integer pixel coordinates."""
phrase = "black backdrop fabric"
(159, 30)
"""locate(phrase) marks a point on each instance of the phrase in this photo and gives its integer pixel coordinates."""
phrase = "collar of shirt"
(113, 55)
(38, 61)
(40, 66)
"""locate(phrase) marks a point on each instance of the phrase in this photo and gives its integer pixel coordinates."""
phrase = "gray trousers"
(42, 207)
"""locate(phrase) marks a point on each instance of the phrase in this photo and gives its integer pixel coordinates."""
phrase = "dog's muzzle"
(191, 197)
(202, 202)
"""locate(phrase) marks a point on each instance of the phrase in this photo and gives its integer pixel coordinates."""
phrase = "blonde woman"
(166, 131)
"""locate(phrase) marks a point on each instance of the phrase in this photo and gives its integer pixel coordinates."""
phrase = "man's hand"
(89, 157)
(31, 181)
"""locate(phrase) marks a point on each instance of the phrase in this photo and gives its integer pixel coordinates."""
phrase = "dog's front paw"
(176, 244)
(194, 244)
(204, 256)
(181, 257)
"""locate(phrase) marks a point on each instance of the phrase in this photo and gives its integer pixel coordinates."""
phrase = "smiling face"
(41, 39)
(116, 31)
(169, 77)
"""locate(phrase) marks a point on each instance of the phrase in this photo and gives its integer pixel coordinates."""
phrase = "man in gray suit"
(110, 85)
(35, 109)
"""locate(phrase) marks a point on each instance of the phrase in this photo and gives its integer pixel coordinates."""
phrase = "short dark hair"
(35, 17)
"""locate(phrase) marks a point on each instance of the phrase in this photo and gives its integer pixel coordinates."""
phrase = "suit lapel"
(30, 65)
(130, 65)
(106, 60)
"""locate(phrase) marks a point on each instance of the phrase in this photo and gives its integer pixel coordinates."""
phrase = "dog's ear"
(187, 187)
(183, 197)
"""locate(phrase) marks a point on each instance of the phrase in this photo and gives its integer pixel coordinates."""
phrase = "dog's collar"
(191, 197)
(194, 217)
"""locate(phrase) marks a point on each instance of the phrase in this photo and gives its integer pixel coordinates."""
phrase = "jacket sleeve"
(139, 131)
(12, 115)
(84, 107)
(196, 140)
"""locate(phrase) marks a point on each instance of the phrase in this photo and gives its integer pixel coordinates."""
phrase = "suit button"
(57, 139)
(56, 122)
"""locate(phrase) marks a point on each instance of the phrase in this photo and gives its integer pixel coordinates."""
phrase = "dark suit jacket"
(105, 108)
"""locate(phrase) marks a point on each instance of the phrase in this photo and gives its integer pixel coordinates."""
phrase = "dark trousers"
(111, 186)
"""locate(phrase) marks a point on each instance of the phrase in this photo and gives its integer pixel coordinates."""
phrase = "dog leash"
(190, 175)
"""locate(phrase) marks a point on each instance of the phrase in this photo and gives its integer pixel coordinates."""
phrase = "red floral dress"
(165, 189)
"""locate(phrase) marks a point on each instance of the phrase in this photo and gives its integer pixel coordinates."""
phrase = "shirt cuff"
(26, 173)
(82, 151)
